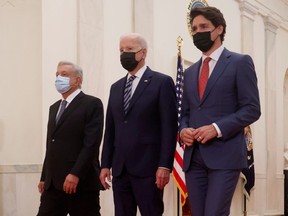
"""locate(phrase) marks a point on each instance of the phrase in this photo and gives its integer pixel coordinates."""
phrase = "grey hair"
(77, 69)
(140, 39)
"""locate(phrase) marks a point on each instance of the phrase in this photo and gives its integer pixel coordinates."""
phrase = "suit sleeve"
(168, 112)
(92, 138)
(107, 151)
(185, 111)
(43, 174)
(248, 107)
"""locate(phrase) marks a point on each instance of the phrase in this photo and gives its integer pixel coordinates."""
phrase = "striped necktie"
(127, 93)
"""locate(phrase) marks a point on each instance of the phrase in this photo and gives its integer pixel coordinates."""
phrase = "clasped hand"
(202, 134)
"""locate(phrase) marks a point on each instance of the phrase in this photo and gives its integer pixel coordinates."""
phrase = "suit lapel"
(143, 83)
(217, 72)
(53, 114)
(72, 106)
(195, 77)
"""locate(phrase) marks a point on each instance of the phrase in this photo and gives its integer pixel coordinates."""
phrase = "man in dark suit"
(70, 176)
(140, 134)
(215, 113)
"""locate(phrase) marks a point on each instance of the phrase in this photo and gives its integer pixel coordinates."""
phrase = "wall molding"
(27, 168)
(251, 7)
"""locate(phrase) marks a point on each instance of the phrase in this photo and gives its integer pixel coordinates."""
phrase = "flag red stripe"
(178, 158)
(180, 181)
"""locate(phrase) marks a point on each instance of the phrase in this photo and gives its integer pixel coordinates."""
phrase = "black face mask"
(128, 60)
(202, 40)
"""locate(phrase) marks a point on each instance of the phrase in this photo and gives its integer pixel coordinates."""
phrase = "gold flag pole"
(179, 44)
(185, 207)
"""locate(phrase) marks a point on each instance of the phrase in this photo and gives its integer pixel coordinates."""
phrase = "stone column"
(90, 44)
(248, 12)
(144, 24)
(271, 27)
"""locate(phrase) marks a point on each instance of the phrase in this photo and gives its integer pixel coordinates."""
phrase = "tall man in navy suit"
(139, 141)
(70, 176)
(214, 117)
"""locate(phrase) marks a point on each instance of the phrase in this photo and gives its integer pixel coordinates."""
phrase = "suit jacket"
(231, 100)
(73, 144)
(145, 138)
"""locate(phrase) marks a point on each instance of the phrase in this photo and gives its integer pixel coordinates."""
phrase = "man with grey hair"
(140, 133)
(70, 177)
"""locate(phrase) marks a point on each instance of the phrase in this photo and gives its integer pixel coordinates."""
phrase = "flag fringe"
(183, 194)
(247, 195)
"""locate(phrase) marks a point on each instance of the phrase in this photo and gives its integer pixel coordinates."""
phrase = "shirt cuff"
(165, 168)
(218, 130)
(181, 133)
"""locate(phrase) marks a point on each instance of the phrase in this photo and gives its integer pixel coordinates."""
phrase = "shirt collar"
(216, 54)
(72, 96)
(139, 73)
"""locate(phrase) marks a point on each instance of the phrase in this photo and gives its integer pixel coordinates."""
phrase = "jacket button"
(125, 122)
(53, 140)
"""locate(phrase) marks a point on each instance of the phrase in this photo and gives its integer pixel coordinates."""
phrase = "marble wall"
(19, 195)
(37, 34)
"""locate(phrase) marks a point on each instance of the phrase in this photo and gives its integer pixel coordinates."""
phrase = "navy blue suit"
(143, 139)
(231, 100)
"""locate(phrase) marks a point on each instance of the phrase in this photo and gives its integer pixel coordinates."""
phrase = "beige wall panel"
(20, 83)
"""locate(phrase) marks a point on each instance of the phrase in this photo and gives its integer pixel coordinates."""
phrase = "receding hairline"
(77, 69)
(135, 36)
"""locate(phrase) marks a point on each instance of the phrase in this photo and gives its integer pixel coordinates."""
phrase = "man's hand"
(162, 178)
(41, 186)
(205, 133)
(187, 136)
(70, 184)
(105, 174)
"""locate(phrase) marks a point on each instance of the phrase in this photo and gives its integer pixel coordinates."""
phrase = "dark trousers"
(130, 191)
(58, 203)
(210, 191)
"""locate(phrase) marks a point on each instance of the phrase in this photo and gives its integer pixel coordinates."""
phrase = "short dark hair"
(211, 13)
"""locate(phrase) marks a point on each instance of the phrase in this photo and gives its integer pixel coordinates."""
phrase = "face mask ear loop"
(138, 52)
(213, 31)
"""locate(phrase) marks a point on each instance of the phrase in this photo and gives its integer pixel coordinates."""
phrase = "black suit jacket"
(73, 144)
(145, 138)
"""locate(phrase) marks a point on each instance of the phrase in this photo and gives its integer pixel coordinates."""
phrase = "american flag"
(178, 174)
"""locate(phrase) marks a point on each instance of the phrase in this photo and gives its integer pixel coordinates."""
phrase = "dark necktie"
(62, 108)
(127, 93)
(203, 79)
